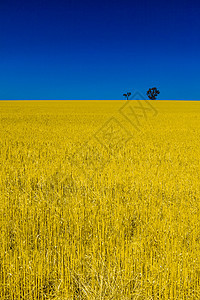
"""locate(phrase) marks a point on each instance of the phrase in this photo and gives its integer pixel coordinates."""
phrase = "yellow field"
(99, 200)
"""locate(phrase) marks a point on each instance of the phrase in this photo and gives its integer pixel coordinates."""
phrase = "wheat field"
(99, 200)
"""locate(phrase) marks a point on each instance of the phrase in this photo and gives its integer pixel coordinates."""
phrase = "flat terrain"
(99, 200)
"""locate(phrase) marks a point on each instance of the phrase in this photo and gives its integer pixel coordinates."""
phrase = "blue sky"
(99, 49)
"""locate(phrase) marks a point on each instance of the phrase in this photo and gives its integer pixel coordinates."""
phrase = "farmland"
(99, 200)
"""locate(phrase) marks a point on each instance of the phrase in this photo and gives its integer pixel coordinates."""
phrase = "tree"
(153, 93)
(127, 95)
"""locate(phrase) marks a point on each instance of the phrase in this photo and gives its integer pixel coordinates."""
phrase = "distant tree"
(153, 93)
(127, 95)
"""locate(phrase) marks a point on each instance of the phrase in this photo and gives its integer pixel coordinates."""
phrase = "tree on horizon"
(127, 95)
(153, 93)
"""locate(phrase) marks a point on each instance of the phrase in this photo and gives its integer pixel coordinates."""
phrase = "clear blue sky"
(69, 49)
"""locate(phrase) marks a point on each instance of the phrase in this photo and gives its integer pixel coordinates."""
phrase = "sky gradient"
(97, 50)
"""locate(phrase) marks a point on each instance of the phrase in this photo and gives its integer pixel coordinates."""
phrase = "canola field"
(99, 200)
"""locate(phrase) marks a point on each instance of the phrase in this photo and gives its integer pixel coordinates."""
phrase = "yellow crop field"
(99, 200)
